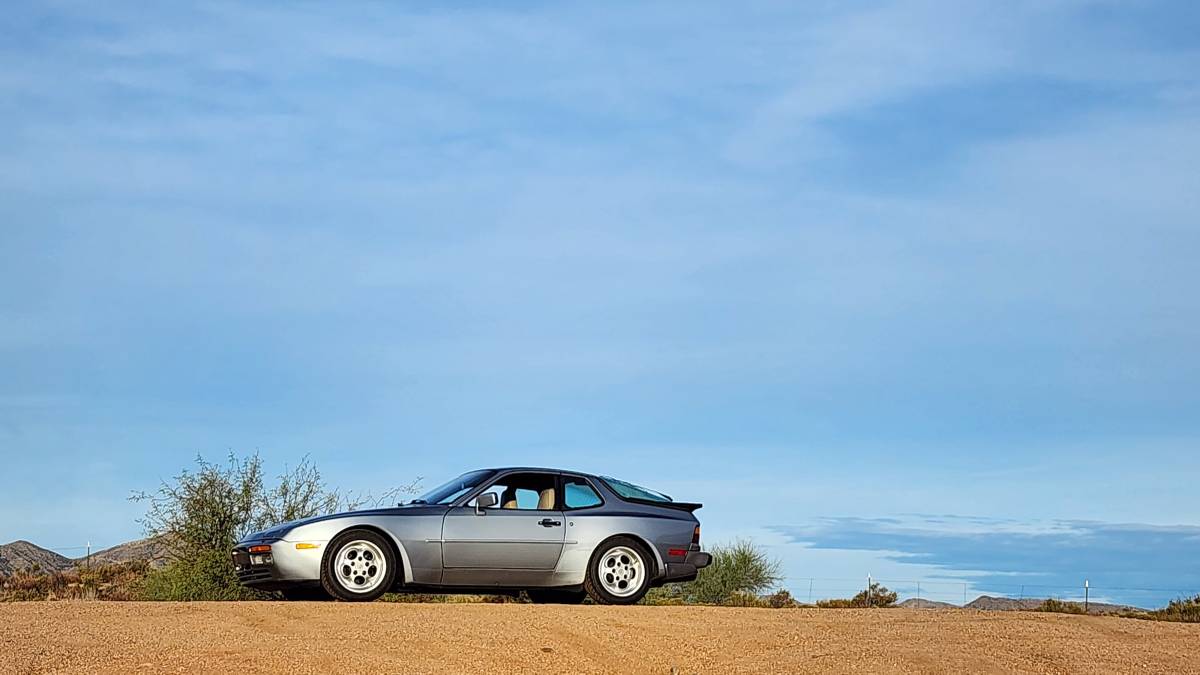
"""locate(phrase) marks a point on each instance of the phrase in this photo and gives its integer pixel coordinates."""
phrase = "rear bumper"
(688, 569)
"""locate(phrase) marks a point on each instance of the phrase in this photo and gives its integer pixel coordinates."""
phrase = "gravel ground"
(412, 638)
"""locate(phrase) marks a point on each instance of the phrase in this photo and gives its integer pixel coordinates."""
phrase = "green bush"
(201, 515)
(737, 570)
(202, 575)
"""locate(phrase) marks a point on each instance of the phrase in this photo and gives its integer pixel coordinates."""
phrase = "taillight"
(696, 535)
(260, 549)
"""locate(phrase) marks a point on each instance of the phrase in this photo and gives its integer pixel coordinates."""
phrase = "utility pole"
(88, 559)
(1085, 596)
(868, 589)
(918, 595)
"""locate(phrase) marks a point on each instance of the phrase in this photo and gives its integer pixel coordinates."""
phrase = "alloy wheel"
(621, 571)
(360, 566)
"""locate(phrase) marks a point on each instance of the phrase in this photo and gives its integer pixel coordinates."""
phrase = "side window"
(524, 491)
(577, 494)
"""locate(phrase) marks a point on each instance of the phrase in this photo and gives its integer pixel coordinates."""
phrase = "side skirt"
(475, 590)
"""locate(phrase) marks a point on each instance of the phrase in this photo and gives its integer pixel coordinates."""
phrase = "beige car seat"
(546, 500)
(508, 500)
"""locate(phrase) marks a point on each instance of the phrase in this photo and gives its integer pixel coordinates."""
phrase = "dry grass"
(120, 581)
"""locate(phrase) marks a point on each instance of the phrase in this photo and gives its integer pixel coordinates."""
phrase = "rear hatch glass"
(631, 491)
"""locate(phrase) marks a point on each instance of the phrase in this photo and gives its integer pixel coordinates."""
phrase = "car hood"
(280, 530)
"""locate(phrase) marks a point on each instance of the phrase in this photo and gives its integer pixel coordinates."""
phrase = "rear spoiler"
(678, 506)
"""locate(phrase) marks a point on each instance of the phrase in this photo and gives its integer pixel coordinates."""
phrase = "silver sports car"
(560, 536)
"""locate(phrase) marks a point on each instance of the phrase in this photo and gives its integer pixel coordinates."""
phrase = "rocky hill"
(152, 550)
(992, 603)
(22, 555)
(913, 603)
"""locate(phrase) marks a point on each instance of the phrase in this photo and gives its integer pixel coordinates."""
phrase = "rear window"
(577, 494)
(631, 491)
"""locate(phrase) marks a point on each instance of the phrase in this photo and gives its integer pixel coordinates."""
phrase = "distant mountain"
(153, 550)
(914, 603)
(22, 555)
(992, 603)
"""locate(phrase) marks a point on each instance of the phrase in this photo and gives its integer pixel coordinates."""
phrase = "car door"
(525, 531)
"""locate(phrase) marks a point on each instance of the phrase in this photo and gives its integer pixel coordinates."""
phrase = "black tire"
(306, 594)
(555, 596)
(332, 577)
(595, 585)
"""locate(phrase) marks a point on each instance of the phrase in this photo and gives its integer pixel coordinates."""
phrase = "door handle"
(546, 522)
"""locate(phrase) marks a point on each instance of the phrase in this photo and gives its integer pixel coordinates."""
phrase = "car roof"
(542, 469)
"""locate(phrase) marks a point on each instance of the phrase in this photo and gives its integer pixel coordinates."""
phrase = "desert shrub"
(781, 599)
(1060, 607)
(121, 581)
(744, 599)
(29, 584)
(114, 581)
(836, 603)
(1183, 609)
(664, 595)
(201, 514)
(201, 575)
(875, 595)
(737, 568)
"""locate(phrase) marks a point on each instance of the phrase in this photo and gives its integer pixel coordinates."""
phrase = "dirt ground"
(459, 638)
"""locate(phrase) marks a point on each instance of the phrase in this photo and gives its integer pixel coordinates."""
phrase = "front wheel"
(619, 572)
(359, 566)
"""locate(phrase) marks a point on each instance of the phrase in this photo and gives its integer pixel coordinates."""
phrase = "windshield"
(631, 491)
(451, 490)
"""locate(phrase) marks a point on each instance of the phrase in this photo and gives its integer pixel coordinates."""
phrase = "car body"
(555, 534)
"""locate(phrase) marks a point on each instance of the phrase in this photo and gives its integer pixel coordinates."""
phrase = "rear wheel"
(619, 572)
(555, 596)
(359, 566)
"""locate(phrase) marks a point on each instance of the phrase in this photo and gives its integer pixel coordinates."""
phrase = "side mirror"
(486, 500)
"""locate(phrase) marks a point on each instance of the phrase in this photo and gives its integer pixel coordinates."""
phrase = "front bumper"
(255, 570)
(285, 566)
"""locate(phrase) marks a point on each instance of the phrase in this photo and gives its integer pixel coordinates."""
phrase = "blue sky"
(821, 266)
